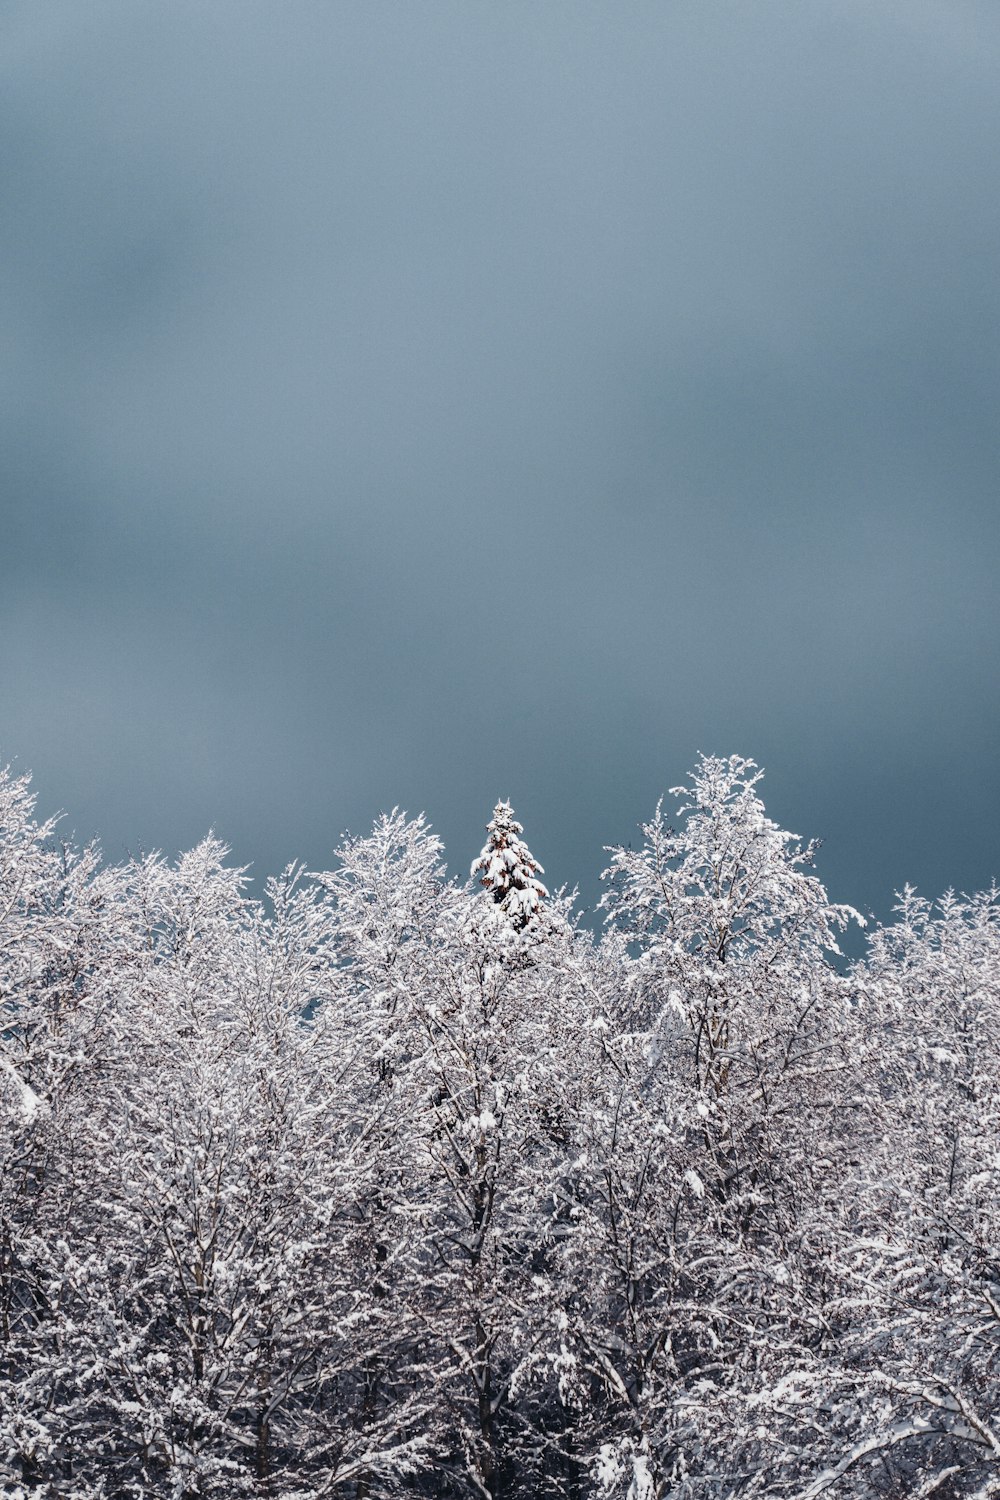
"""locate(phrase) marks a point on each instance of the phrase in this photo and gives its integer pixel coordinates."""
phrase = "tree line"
(390, 1184)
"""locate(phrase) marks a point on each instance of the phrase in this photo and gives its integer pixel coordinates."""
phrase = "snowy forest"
(391, 1183)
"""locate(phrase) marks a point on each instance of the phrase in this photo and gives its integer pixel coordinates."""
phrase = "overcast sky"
(420, 403)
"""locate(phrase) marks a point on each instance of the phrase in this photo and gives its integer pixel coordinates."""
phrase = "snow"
(29, 1101)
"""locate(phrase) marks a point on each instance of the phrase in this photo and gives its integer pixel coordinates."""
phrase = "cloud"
(422, 404)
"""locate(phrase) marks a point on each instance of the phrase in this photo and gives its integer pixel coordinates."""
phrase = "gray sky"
(415, 404)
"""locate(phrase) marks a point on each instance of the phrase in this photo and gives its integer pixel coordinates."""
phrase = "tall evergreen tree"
(508, 869)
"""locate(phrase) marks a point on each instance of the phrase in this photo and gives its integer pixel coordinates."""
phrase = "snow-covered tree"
(915, 1381)
(726, 1059)
(58, 960)
(464, 1047)
(508, 869)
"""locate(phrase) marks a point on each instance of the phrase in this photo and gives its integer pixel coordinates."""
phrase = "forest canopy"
(392, 1183)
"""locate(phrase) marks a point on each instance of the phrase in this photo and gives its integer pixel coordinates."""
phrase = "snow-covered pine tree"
(508, 869)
